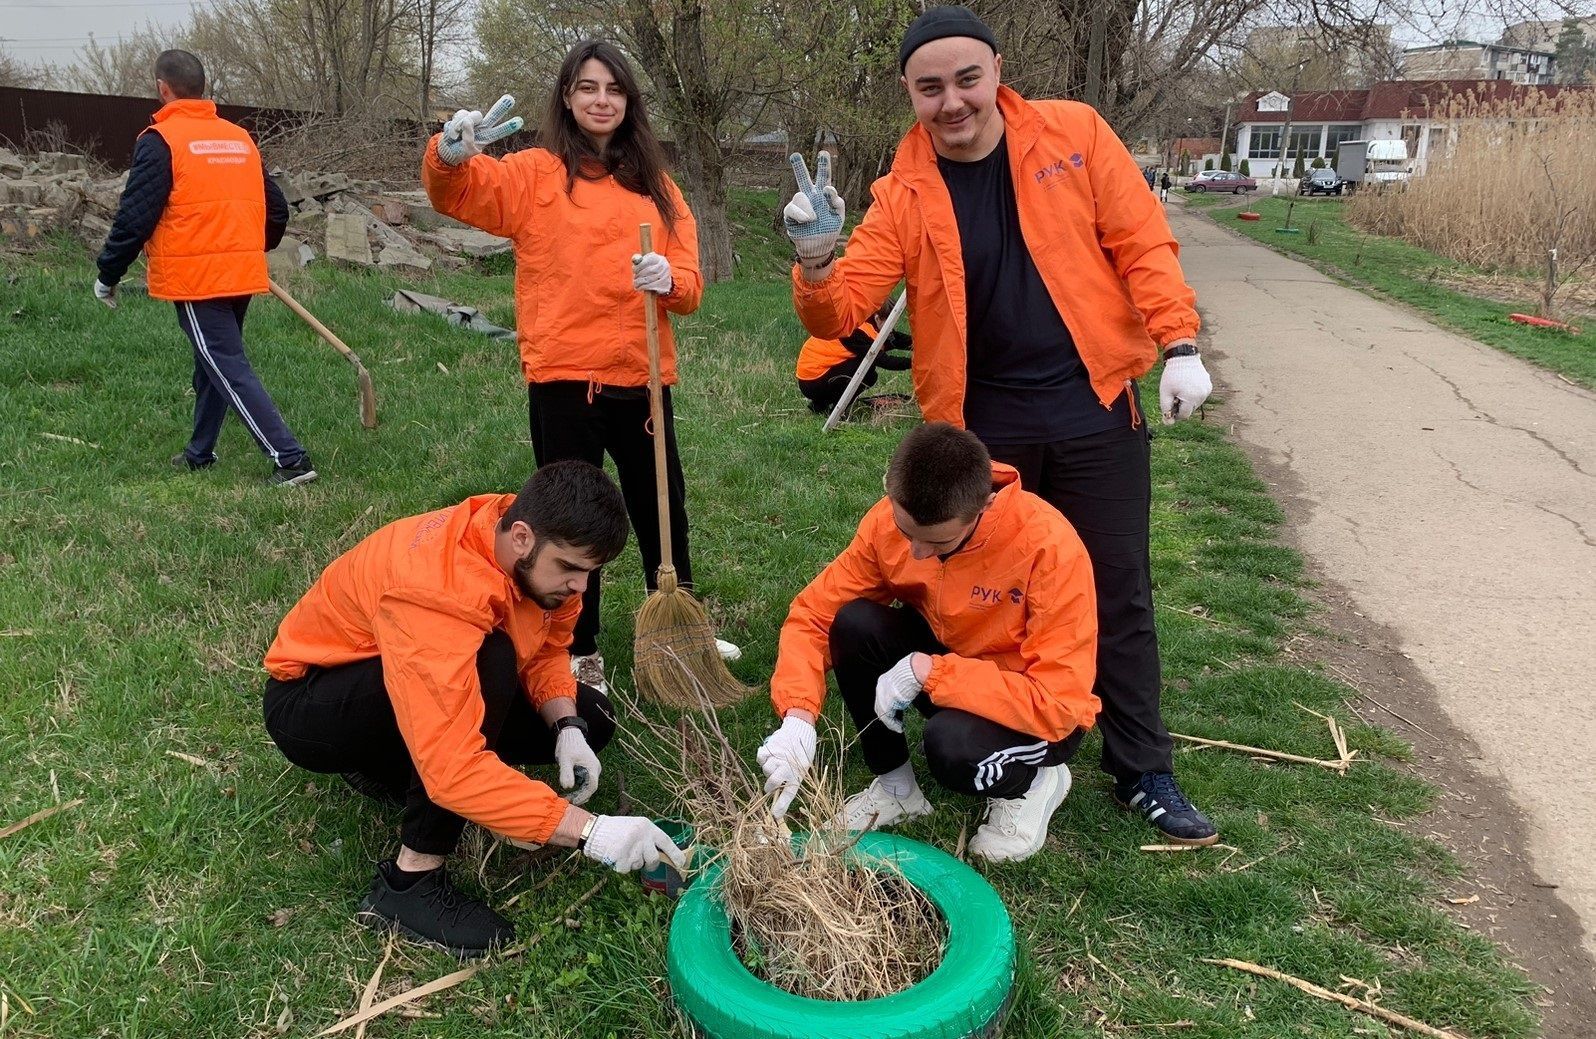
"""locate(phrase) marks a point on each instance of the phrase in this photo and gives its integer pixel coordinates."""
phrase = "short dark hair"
(939, 473)
(181, 71)
(574, 503)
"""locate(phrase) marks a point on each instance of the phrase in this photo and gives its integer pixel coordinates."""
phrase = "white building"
(1408, 110)
(1467, 59)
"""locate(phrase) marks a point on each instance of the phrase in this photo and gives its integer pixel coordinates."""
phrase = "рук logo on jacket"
(981, 596)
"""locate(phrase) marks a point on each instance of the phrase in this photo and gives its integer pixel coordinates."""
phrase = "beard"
(523, 581)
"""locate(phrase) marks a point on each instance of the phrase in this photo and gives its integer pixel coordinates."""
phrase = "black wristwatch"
(1182, 350)
(570, 721)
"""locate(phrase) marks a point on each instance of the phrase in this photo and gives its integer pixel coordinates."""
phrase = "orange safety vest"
(211, 239)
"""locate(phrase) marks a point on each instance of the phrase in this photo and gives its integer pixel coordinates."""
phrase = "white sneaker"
(1016, 828)
(589, 670)
(874, 809)
(728, 651)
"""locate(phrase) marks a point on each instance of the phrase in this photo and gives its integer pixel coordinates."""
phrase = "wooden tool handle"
(656, 405)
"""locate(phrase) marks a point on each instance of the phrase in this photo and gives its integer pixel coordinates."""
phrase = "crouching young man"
(971, 601)
(429, 660)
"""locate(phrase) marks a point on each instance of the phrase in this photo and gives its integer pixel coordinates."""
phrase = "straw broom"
(674, 643)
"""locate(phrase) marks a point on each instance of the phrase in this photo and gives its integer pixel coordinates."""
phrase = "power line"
(118, 3)
(58, 39)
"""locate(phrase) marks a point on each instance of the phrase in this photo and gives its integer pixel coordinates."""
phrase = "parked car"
(1321, 182)
(1221, 180)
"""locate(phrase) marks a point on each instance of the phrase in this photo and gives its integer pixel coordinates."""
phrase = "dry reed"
(1507, 181)
(806, 915)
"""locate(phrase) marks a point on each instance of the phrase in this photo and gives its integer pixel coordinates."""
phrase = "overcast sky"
(36, 31)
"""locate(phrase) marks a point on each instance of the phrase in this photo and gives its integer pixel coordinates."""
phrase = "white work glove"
(814, 216)
(895, 692)
(467, 133)
(578, 764)
(1183, 387)
(651, 272)
(786, 756)
(628, 842)
(105, 293)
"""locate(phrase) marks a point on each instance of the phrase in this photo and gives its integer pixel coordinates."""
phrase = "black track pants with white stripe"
(224, 380)
(964, 751)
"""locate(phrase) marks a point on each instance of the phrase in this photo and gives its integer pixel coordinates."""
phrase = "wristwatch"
(571, 721)
(587, 831)
(1181, 350)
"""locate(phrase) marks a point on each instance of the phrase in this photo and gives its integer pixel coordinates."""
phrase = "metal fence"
(104, 126)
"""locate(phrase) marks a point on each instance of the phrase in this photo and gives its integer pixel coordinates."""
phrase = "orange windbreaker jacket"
(818, 356)
(576, 313)
(211, 238)
(1015, 607)
(422, 593)
(1098, 236)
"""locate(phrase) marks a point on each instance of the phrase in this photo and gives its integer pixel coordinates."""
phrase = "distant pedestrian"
(1163, 187)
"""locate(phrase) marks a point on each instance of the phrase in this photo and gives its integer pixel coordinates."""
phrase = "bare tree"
(125, 67)
(332, 56)
(15, 74)
(437, 23)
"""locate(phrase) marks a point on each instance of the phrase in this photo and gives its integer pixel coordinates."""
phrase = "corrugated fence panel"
(103, 125)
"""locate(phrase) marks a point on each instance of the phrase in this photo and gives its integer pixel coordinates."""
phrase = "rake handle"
(656, 406)
(368, 393)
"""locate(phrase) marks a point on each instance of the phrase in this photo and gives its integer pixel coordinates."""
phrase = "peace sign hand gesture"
(467, 133)
(814, 216)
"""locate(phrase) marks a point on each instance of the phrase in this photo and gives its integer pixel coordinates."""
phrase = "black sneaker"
(433, 911)
(181, 460)
(1157, 796)
(366, 786)
(294, 475)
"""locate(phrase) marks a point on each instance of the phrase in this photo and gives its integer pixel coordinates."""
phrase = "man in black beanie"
(1043, 280)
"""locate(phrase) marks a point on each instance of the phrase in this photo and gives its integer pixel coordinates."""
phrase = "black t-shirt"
(1025, 382)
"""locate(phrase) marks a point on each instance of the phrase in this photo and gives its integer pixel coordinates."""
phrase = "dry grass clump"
(1512, 182)
(806, 915)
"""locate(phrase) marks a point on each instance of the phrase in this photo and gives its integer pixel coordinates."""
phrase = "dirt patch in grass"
(1577, 300)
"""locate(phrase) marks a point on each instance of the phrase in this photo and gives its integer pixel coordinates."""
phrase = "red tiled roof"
(1309, 106)
(1195, 146)
(1389, 100)
(1393, 100)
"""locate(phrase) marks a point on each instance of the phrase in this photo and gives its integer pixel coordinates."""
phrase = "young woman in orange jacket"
(572, 207)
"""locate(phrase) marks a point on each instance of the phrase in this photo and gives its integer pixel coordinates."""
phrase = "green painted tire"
(965, 996)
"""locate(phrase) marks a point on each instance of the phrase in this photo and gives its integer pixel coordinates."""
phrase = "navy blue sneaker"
(1157, 796)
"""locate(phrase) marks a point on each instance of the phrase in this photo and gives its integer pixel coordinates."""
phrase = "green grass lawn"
(1416, 277)
(216, 898)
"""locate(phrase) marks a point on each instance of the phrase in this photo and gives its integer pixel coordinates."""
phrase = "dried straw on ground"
(807, 917)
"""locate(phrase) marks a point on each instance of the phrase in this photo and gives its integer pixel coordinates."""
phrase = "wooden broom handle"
(656, 405)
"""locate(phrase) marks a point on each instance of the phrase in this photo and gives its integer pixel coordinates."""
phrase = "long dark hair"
(633, 157)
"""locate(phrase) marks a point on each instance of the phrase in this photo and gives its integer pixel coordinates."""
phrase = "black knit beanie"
(939, 23)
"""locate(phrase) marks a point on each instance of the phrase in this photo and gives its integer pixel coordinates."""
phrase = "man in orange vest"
(971, 601)
(430, 660)
(199, 203)
(1043, 281)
